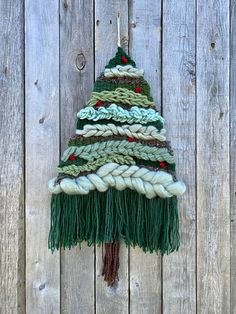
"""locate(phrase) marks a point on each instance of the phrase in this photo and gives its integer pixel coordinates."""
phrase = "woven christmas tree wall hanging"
(116, 180)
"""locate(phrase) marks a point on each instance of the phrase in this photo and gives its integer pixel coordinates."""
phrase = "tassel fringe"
(98, 218)
(111, 263)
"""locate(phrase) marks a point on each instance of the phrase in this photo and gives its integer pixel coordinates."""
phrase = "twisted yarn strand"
(134, 115)
(93, 165)
(137, 131)
(93, 151)
(121, 95)
(123, 71)
(142, 180)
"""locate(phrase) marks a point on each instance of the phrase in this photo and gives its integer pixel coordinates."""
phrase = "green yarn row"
(121, 95)
(121, 215)
(91, 140)
(100, 86)
(75, 170)
(82, 122)
(117, 59)
(140, 162)
(99, 149)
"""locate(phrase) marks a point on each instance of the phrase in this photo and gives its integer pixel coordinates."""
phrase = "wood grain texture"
(110, 300)
(145, 42)
(76, 83)
(213, 208)
(56, 54)
(178, 68)
(42, 152)
(233, 158)
(12, 294)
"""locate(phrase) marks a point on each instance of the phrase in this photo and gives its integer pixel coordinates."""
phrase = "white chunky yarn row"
(142, 180)
(123, 71)
(137, 131)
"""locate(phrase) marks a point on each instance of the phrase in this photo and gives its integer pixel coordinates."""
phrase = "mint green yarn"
(93, 151)
(116, 113)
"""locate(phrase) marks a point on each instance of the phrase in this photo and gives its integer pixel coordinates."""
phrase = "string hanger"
(118, 29)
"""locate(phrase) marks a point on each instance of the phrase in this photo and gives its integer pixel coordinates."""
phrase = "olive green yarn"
(100, 86)
(123, 215)
(75, 170)
(117, 59)
(91, 140)
(139, 162)
(121, 95)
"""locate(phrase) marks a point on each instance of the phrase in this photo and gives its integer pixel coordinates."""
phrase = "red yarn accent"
(163, 164)
(138, 89)
(99, 103)
(124, 59)
(131, 139)
(72, 157)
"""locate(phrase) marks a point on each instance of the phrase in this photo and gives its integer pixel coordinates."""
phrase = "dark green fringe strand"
(104, 217)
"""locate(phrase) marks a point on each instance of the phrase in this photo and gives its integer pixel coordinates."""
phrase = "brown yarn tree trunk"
(111, 263)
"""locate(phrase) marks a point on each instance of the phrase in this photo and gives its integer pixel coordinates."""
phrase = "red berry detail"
(72, 157)
(124, 59)
(163, 164)
(131, 139)
(138, 89)
(99, 103)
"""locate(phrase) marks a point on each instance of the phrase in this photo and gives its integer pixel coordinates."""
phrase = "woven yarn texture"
(116, 180)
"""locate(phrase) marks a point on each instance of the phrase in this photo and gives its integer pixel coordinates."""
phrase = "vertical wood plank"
(76, 82)
(42, 152)
(110, 300)
(179, 278)
(233, 157)
(145, 49)
(12, 157)
(213, 208)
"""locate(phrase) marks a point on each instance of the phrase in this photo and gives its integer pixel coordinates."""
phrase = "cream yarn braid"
(121, 95)
(144, 181)
(123, 71)
(137, 131)
(100, 149)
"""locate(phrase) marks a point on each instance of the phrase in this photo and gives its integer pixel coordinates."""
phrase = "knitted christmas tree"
(116, 180)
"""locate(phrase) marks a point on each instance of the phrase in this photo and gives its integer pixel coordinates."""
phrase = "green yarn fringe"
(104, 217)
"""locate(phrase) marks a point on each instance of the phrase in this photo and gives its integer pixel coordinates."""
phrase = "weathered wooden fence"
(51, 52)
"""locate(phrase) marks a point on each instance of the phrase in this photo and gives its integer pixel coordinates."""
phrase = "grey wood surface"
(213, 190)
(41, 152)
(179, 98)
(12, 242)
(232, 112)
(50, 54)
(76, 83)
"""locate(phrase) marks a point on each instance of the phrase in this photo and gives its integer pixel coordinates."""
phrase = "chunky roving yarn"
(114, 112)
(93, 151)
(116, 180)
(123, 71)
(122, 95)
(135, 130)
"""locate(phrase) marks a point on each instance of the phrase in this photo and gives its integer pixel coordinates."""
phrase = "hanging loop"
(118, 29)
